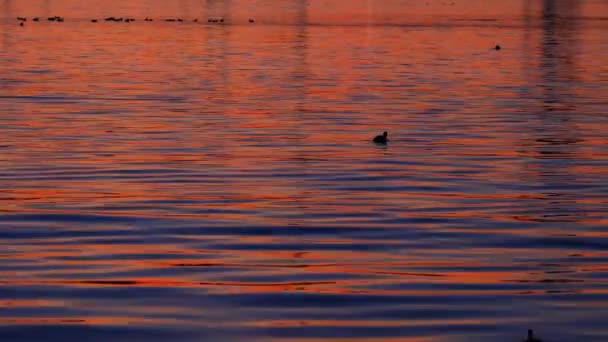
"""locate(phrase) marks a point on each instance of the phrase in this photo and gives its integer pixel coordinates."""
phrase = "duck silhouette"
(531, 337)
(497, 47)
(381, 139)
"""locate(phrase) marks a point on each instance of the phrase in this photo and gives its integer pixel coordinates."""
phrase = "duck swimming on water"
(531, 337)
(381, 139)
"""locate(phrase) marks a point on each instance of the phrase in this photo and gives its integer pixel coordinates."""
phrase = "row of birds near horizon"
(126, 20)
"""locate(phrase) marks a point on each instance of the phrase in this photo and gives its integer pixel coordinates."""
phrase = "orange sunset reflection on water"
(188, 181)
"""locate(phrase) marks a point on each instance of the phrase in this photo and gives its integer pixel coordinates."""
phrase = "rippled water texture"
(164, 181)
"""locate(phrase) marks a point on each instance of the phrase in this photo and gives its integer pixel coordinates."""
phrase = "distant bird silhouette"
(93, 20)
(21, 18)
(497, 47)
(195, 20)
(531, 337)
(381, 139)
(148, 19)
(36, 19)
(180, 20)
(21, 23)
(222, 20)
(251, 20)
(169, 19)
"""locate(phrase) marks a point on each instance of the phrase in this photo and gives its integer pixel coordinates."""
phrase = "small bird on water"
(531, 337)
(497, 47)
(381, 139)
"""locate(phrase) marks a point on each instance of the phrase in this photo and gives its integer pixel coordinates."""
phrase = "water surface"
(191, 181)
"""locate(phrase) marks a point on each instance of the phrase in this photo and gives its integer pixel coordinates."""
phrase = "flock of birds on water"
(59, 19)
(22, 21)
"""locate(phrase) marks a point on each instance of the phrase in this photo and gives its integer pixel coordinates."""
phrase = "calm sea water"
(186, 181)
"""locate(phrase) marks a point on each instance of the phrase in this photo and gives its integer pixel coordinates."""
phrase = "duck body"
(381, 139)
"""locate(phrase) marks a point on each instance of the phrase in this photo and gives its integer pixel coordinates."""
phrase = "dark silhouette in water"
(94, 20)
(531, 337)
(497, 47)
(21, 18)
(148, 19)
(251, 20)
(36, 19)
(381, 139)
(21, 23)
